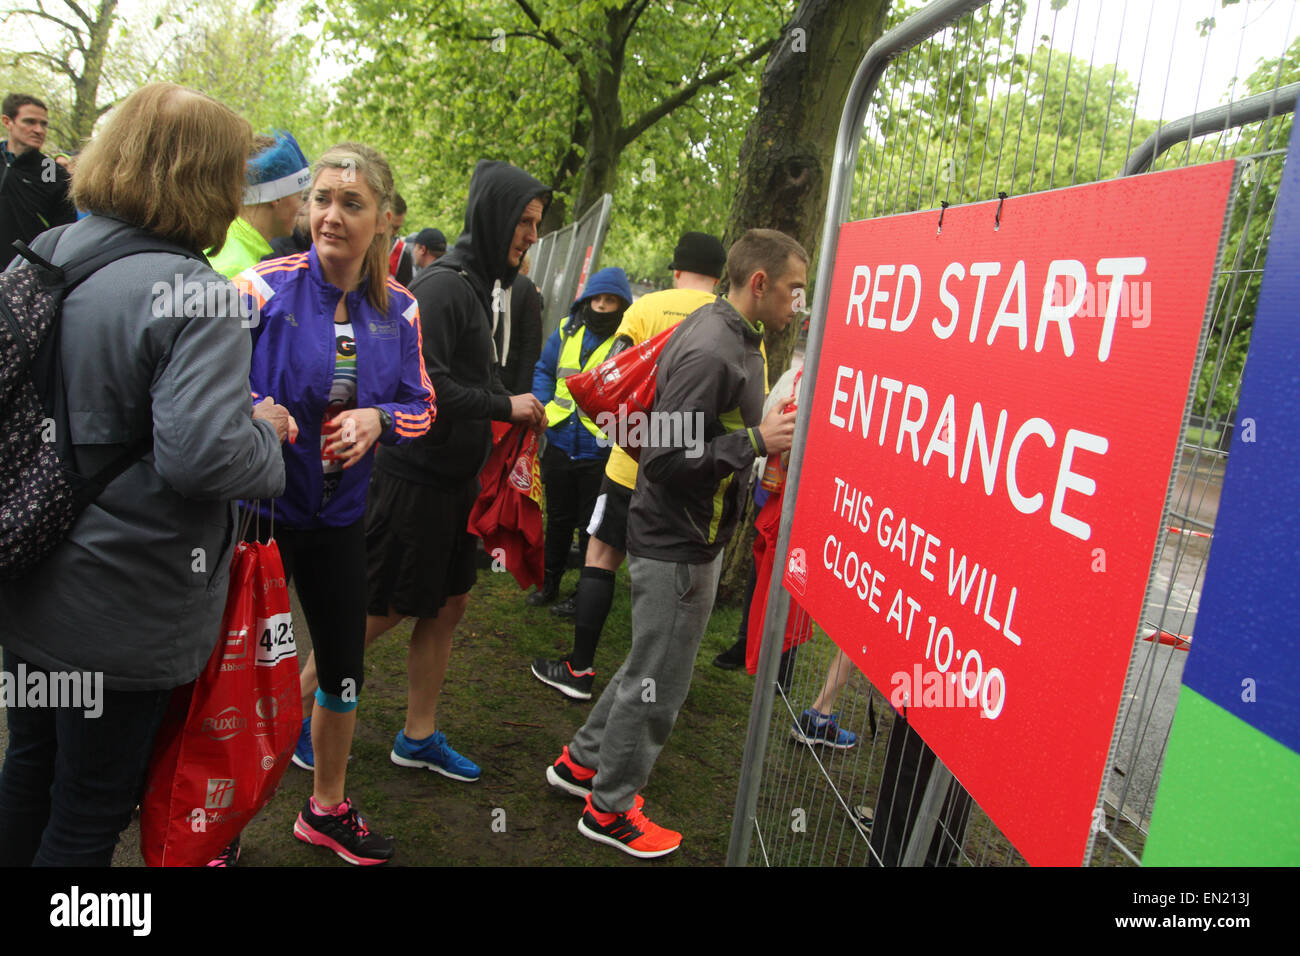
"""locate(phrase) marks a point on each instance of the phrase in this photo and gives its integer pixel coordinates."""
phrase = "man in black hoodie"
(33, 187)
(421, 558)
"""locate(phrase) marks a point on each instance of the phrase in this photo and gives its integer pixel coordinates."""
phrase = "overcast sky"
(1181, 71)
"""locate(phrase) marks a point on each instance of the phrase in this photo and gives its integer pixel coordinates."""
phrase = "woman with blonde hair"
(338, 342)
(128, 605)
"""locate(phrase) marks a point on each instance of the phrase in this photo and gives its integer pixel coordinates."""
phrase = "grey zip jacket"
(137, 588)
(708, 405)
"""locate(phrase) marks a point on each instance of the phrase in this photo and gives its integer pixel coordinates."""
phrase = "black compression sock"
(595, 596)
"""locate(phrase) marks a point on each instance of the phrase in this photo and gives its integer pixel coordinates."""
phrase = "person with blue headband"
(277, 174)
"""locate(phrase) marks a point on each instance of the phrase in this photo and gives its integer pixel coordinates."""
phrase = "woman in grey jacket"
(129, 605)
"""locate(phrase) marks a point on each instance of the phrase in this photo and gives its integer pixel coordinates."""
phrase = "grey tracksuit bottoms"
(630, 724)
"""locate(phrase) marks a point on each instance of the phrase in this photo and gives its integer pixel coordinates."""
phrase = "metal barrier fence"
(563, 260)
(963, 101)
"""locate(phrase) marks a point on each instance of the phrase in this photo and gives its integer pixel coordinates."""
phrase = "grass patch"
(496, 713)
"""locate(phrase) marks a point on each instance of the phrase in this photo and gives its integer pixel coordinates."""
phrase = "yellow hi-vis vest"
(562, 405)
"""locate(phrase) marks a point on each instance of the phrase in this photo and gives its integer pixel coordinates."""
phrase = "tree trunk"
(85, 109)
(785, 164)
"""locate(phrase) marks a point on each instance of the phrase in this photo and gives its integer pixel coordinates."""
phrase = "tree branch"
(639, 6)
(84, 17)
(653, 115)
(55, 63)
(75, 31)
(548, 36)
(513, 33)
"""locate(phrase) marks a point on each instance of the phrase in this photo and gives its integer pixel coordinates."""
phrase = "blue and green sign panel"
(1230, 791)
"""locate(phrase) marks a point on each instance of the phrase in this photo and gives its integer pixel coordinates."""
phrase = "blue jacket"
(293, 362)
(570, 436)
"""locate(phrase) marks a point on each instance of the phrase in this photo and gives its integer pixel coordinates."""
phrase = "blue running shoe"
(814, 727)
(434, 754)
(303, 755)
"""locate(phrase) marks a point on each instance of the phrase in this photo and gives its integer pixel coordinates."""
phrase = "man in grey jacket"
(684, 510)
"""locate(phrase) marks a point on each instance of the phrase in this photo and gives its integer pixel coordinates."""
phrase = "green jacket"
(244, 248)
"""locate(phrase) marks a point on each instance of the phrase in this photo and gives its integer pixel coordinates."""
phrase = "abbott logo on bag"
(234, 655)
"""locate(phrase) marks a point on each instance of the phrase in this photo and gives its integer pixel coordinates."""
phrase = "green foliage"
(963, 119)
(256, 63)
(439, 86)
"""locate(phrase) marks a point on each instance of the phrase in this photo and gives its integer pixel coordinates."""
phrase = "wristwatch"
(385, 419)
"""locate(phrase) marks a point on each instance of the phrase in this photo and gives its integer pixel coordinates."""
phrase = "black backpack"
(41, 494)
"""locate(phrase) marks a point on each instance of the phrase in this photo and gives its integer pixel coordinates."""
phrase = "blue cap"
(277, 171)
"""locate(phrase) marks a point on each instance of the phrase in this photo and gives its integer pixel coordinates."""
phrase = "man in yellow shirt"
(697, 264)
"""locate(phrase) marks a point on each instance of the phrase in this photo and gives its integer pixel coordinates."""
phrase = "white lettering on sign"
(854, 405)
(1063, 295)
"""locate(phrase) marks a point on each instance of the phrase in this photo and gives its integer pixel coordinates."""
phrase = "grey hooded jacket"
(137, 589)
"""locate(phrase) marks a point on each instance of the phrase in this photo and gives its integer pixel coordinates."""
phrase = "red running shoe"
(632, 832)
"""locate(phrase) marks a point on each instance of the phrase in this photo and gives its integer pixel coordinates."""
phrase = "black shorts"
(609, 516)
(418, 553)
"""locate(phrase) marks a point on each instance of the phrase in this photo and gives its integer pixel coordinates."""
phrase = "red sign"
(996, 416)
(586, 268)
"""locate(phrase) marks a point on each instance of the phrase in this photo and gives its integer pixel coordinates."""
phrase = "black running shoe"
(560, 675)
(346, 834)
(733, 658)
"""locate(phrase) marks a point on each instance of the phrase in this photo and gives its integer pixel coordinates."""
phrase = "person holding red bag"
(339, 344)
(131, 600)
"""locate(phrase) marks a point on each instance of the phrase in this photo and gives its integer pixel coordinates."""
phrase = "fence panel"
(965, 101)
(563, 260)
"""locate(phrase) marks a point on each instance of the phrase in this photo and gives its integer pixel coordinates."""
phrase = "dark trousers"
(571, 490)
(70, 782)
(908, 765)
(328, 568)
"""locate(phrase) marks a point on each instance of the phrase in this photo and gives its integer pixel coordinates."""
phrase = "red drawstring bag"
(227, 737)
(507, 514)
(619, 386)
(799, 623)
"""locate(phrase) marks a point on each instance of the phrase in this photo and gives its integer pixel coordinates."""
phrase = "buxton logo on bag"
(221, 793)
(225, 725)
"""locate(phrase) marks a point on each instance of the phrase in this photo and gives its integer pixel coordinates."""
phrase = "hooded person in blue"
(576, 450)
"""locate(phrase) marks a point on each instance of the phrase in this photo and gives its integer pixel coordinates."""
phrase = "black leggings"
(328, 568)
(571, 491)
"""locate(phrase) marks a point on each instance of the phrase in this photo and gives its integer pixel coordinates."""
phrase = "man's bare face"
(525, 232)
(785, 295)
(27, 130)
